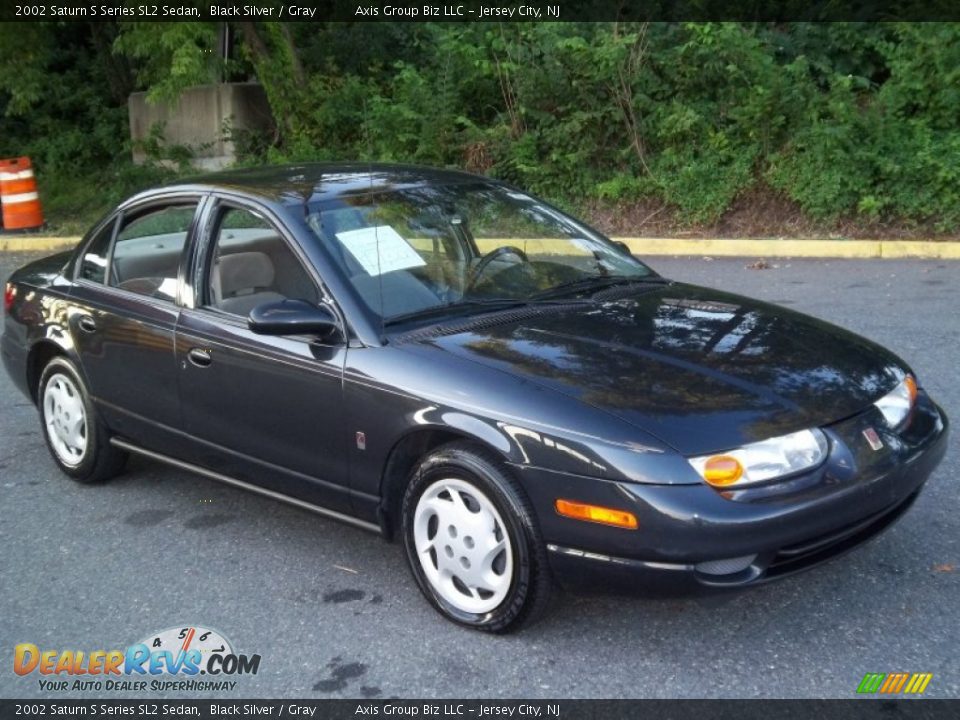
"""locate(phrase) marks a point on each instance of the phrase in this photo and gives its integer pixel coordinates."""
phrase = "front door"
(265, 410)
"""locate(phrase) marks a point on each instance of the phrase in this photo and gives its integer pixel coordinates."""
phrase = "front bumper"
(687, 531)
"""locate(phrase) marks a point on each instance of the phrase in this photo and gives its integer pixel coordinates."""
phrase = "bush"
(847, 120)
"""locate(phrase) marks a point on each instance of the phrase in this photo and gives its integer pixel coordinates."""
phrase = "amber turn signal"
(597, 514)
(722, 470)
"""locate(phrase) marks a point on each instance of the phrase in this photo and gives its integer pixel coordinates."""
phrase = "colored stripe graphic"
(894, 683)
(871, 682)
(918, 683)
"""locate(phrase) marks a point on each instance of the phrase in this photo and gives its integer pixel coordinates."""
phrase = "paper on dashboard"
(380, 249)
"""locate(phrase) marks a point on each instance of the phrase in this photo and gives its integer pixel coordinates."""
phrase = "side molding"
(227, 480)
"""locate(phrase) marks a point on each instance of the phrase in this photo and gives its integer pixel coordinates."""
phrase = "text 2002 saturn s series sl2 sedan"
(439, 356)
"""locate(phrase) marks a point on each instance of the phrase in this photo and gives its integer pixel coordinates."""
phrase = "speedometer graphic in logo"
(184, 639)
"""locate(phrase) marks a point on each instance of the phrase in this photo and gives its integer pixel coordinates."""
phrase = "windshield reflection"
(418, 250)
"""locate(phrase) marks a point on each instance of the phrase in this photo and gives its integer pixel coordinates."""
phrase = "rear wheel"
(472, 540)
(76, 437)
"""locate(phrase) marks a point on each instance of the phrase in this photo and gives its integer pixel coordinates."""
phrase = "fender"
(44, 339)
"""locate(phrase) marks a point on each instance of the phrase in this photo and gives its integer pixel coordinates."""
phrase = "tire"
(76, 437)
(482, 562)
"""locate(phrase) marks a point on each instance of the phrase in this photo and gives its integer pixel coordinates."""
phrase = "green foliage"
(849, 120)
(52, 98)
(63, 104)
(885, 150)
(159, 152)
(171, 56)
(73, 202)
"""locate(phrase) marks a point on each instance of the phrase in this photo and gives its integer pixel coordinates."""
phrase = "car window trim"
(109, 290)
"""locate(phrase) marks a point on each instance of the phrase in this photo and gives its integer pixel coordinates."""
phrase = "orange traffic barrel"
(18, 195)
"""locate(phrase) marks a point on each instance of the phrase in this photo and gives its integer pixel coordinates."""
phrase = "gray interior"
(252, 266)
(154, 257)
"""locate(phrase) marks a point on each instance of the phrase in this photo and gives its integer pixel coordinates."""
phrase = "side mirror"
(623, 246)
(292, 317)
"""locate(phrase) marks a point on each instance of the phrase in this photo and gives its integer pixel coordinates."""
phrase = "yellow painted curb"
(773, 247)
(28, 243)
(754, 247)
(920, 248)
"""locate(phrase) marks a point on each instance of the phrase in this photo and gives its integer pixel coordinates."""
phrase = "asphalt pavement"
(334, 611)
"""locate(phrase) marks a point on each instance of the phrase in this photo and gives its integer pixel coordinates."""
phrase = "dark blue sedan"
(443, 358)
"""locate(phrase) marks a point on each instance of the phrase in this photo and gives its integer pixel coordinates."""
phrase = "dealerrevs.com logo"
(177, 659)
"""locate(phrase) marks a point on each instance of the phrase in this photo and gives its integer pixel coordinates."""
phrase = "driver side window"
(252, 264)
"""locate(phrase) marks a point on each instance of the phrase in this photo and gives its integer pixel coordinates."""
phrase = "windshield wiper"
(455, 308)
(596, 283)
(491, 304)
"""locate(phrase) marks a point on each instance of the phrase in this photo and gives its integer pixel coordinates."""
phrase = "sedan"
(447, 360)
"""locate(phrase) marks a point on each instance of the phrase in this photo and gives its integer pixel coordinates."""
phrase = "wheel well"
(40, 355)
(404, 456)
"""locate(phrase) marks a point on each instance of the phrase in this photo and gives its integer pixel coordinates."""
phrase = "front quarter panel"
(393, 391)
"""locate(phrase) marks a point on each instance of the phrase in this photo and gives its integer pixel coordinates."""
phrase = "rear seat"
(150, 257)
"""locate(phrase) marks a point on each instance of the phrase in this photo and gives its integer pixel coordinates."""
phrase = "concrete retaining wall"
(196, 119)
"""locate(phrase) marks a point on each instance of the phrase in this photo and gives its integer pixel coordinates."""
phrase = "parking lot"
(334, 612)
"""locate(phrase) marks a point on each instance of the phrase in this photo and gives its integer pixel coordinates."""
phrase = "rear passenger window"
(146, 254)
(252, 264)
(93, 264)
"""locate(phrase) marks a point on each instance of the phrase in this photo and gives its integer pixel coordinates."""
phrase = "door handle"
(87, 324)
(199, 357)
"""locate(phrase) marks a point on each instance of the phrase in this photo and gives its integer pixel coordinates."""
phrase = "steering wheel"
(490, 257)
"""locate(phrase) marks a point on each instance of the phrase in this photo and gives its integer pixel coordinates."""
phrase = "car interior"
(146, 253)
(252, 264)
(444, 277)
(148, 265)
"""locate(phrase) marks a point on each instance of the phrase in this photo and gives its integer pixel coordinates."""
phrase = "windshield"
(430, 250)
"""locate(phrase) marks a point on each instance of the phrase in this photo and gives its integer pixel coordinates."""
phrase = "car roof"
(313, 182)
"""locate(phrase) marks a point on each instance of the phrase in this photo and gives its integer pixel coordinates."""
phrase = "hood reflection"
(685, 363)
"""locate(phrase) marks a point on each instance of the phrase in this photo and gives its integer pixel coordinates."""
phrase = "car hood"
(700, 369)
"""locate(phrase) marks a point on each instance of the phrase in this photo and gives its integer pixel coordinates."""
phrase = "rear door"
(124, 313)
(265, 410)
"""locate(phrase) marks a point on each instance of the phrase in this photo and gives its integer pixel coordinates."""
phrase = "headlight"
(763, 460)
(898, 403)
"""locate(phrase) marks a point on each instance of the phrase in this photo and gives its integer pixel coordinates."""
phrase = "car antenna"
(376, 235)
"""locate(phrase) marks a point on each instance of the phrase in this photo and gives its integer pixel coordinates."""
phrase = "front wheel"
(76, 437)
(472, 540)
